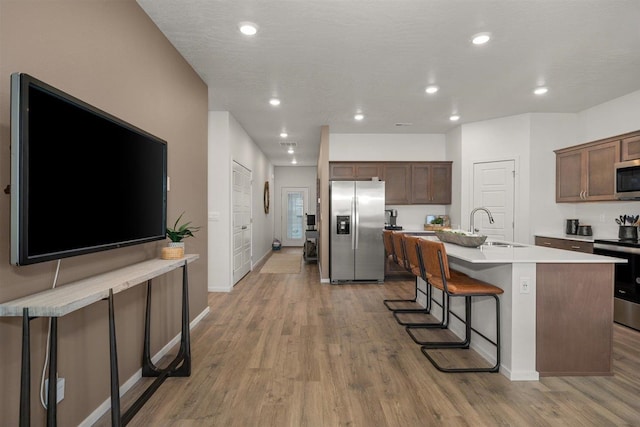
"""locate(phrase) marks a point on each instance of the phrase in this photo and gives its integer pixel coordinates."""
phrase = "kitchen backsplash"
(600, 216)
(412, 217)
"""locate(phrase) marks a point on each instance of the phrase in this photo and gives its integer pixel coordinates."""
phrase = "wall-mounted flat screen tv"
(82, 180)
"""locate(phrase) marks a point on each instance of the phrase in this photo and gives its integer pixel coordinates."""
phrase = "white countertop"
(523, 254)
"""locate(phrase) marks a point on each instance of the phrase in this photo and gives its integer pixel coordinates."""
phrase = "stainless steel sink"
(503, 244)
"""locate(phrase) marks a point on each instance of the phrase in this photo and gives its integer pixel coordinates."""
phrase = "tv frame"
(20, 86)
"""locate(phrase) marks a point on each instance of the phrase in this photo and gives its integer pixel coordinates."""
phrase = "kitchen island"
(556, 310)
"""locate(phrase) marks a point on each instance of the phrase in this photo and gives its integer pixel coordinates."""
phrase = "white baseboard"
(106, 405)
(218, 289)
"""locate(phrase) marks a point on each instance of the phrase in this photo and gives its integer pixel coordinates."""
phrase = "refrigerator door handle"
(356, 227)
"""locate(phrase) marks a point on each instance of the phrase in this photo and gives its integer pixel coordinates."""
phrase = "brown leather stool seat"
(436, 266)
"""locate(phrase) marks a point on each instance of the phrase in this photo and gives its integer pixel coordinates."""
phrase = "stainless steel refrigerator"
(357, 221)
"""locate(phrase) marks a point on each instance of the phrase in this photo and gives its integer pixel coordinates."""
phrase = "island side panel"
(574, 325)
(517, 312)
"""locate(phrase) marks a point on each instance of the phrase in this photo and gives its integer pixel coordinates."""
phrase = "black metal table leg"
(25, 374)
(116, 420)
(180, 366)
(52, 398)
(185, 341)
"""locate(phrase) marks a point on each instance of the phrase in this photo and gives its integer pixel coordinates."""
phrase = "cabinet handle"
(547, 243)
(620, 291)
(575, 247)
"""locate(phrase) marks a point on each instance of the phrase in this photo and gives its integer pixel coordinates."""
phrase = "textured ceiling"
(325, 59)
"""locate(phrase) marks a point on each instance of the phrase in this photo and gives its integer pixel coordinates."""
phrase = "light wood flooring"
(285, 350)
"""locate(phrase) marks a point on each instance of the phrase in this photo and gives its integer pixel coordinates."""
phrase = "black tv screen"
(82, 180)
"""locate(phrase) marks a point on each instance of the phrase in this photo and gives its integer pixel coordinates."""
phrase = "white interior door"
(493, 188)
(241, 221)
(294, 205)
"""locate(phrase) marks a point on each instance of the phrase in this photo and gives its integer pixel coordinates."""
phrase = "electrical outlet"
(59, 390)
(602, 218)
(525, 285)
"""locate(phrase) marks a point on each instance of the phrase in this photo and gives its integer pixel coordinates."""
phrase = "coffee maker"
(392, 215)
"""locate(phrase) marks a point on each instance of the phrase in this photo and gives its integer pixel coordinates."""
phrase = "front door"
(294, 206)
(493, 188)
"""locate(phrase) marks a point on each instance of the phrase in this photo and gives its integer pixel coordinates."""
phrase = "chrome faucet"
(471, 222)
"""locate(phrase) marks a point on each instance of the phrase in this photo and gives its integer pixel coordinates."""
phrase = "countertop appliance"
(357, 219)
(626, 302)
(393, 216)
(627, 180)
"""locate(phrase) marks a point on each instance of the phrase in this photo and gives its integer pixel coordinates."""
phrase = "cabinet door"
(600, 181)
(344, 171)
(569, 176)
(431, 183)
(354, 171)
(367, 170)
(631, 148)
(397, 177)
(441, 184)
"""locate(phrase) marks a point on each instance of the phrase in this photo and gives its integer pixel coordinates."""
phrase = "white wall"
(393, 147)
(454, 154)
(228, 142)
(219, 201)
(608, 119)
(248, 154)
(386, 147)
(495, 140)
(611, 118)
(532, 139)
(549, 132)
(293, 176)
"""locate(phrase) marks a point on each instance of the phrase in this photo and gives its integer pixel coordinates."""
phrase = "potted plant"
(177, 234)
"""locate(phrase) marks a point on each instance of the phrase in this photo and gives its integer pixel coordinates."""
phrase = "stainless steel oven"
(626, 309)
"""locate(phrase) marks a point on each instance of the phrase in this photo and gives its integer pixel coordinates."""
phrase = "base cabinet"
(567, 244)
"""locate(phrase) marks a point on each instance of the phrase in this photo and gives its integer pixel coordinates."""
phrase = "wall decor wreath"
(266, 197)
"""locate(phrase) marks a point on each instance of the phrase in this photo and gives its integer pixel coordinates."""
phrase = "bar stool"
(412, 249)
(387, 239)
(436, 265)
(415, 267)
(397, 243)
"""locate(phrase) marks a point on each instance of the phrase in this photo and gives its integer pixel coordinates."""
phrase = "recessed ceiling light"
(454, 117)
(248, 28)
(431, 89)
(294, 162)
(274, 101)
(540, 90)
(481, 38)
(359, 116)
(284, 135)
(290, 150)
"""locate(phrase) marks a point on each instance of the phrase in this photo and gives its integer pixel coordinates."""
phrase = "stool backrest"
(411, 250)
(429, 250)
(387, 238)
(398, 247)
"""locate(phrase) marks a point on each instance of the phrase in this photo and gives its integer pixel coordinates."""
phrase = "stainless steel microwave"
(627, 176)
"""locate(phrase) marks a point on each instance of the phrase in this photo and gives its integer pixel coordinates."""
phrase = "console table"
(58, 302)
